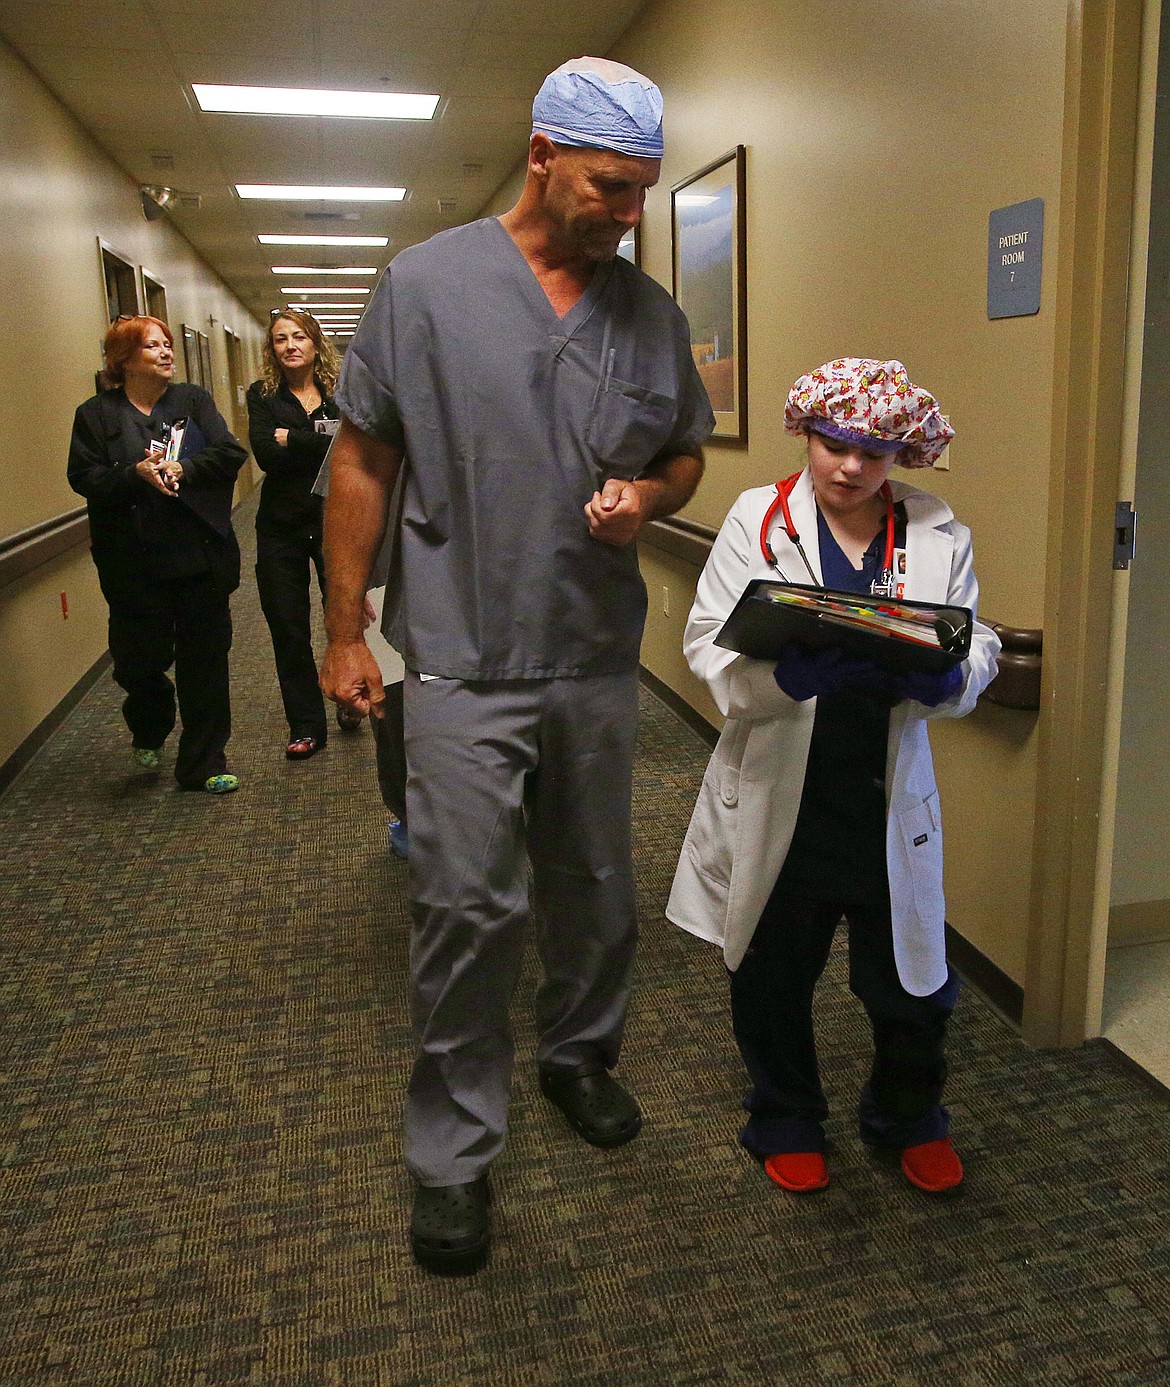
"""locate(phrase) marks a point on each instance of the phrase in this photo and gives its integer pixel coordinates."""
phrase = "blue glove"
(929, 689)
(804, 674)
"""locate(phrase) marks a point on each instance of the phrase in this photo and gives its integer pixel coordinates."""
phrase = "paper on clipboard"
(896, 634)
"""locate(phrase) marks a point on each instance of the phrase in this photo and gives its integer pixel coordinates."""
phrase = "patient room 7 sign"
(1015, 255)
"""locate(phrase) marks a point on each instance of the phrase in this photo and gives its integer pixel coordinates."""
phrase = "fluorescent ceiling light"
(324, 240)
(307, 101)
(320, 270)
(321, 289)
(315, 304)
(307, 192)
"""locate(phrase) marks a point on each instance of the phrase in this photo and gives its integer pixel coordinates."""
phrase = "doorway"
(1136, 998)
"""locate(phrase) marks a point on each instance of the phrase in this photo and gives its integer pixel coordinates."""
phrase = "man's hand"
(617, 512)
(351, 678)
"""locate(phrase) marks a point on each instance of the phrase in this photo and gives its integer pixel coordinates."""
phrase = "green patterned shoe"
(145, 757)
(221, 784)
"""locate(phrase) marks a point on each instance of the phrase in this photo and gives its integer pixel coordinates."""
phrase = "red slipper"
(934, 1166)
(801, 1172)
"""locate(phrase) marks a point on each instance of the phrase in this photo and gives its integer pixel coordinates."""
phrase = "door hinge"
(1124, 534)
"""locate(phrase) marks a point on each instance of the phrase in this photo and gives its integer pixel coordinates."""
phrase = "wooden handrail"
(27, 549)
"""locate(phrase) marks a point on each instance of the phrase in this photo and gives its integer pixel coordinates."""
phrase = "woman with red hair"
(157, 466)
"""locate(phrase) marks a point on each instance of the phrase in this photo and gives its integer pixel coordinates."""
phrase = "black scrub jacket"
(287, 502)
(126, 516)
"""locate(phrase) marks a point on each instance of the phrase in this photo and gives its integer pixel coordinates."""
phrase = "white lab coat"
(744, 819)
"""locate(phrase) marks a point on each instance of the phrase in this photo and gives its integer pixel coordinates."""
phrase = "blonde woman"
(290, 414)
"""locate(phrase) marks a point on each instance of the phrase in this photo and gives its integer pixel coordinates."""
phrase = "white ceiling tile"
(95, 23)
(485, 58)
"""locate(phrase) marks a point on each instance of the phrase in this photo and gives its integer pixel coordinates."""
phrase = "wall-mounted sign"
(1015, 256)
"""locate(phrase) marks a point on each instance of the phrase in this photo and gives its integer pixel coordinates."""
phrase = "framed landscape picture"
(709, 281)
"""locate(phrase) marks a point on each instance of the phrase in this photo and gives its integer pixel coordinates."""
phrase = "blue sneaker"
(399, 839)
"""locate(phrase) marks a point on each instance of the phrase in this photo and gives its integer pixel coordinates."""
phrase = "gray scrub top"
(511, 418)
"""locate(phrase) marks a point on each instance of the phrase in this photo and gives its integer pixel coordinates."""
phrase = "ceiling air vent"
(447, 206)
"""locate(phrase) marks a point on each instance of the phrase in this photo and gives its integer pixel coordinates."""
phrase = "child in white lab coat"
(820, 799)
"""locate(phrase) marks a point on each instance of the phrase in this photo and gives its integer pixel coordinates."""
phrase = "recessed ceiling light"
(321, 270)
(324, 240)
(305, 192)
(320, 289)
(305, 101)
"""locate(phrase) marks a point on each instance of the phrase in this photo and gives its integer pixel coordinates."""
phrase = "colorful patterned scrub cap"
(596, 104)
(871, 402)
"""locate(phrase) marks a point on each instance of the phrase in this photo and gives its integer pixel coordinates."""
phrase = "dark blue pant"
(390, 751)
(771, 1011)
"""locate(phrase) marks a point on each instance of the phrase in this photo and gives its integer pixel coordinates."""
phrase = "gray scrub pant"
(497, 768)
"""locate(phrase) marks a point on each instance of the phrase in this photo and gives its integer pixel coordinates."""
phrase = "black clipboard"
(770, 615)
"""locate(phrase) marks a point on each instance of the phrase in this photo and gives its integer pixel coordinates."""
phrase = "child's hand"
(804, 674)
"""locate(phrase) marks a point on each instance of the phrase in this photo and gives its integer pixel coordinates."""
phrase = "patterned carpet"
(205, 1044)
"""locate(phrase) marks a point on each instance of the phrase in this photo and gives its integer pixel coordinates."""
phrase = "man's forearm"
(361, 478)
(669, 483)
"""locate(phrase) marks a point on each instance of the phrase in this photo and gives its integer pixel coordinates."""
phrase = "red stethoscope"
(882, 585)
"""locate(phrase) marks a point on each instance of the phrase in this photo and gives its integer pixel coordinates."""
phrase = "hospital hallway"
(206, 1044)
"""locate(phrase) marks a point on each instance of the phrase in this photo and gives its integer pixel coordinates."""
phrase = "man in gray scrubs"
(540, 398)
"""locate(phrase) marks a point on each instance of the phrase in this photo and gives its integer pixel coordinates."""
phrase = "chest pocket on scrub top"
(629, 426)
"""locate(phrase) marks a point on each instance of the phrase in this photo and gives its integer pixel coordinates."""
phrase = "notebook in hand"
(897, 635)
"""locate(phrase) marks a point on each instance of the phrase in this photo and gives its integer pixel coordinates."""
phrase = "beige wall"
(58, 194)
(873, 162)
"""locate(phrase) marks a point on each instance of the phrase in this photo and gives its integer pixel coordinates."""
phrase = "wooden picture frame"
(708, 243)
(192, 368)
(630, 246)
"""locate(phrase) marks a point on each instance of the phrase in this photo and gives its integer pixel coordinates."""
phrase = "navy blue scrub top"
(511, 418)
(838, 850)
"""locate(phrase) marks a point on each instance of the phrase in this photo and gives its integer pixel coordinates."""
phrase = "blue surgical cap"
(597, 104)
